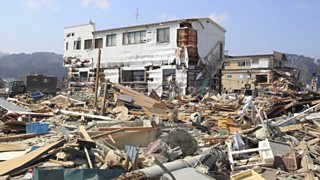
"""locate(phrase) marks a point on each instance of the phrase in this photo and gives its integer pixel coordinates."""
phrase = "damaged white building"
(144, 56)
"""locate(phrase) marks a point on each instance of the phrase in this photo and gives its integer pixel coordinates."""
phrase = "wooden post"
(105, 93)
(96, 84)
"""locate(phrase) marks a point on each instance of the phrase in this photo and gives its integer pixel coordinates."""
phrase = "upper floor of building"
(155, 41)
(264, 61)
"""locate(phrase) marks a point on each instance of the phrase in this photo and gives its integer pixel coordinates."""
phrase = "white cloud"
(101, 4)
(302, 5)
(37, 6)
(220, 17)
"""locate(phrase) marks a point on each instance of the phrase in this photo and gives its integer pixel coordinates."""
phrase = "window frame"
(166, 35)
(77, 45)
(111, 40)
(85, 43)
(96, 46)
(128, 38)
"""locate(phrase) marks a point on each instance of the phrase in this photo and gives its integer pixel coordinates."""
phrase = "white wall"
(139, 54)
(208, 36)
(82, 32)
(262, 63)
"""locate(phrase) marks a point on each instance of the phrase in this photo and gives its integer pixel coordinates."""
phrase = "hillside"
(306, 65)
(18, 65)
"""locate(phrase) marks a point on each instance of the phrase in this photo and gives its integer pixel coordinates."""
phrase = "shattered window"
(88, 44)
(98, 43)
(134, 37)
(163, 35)
(112, 40)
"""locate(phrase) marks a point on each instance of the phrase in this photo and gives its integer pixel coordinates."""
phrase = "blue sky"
(253, 26)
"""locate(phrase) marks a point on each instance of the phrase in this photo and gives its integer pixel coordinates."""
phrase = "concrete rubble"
(120, 133)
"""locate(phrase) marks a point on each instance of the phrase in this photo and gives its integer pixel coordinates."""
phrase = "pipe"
(155, 172)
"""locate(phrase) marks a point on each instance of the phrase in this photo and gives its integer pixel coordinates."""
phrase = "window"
(77, 45)
(244, 63)
(133, 76)
(255, 61)
(262, 78)
(226, 64)
(111, 40)
(163, 35)
(229, 76)
(67, 46)
(45, 80)
(134, 37)
(88, 44)
(98, 43)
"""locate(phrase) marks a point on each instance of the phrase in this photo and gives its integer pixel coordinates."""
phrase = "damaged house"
(245, 73)
(143, 57)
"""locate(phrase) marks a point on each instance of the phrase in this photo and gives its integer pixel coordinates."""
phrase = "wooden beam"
(96, 84)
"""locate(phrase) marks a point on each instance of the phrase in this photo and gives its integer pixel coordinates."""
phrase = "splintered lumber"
(16, 164)
(86, 136)
(139, 99)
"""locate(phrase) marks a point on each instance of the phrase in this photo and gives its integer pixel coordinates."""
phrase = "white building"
(145, 55)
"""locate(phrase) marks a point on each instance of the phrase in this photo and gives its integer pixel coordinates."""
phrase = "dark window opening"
(262, 78)
(67, 46)
(133, 76)
(98, 43)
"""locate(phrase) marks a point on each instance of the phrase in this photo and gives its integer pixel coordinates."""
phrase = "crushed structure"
(119, 131)
(245, 73)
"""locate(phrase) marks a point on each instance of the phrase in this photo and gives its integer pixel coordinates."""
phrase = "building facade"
(144, 56)
(249, 72)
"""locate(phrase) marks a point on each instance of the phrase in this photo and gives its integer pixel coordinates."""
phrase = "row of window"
(137, 37)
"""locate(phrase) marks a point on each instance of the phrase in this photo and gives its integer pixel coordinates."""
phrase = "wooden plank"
(140, 99)
(11, 147)
(291, 128)
(107, 133)
(17, 137)
(86, 136)
(13, 165)
(84, 133)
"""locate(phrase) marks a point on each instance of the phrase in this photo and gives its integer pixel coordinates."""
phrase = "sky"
(253, 26)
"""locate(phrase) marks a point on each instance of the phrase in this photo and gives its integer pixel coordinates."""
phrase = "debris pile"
(123, 134)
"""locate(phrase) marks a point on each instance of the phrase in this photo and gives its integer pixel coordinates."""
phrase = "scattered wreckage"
(123, 134)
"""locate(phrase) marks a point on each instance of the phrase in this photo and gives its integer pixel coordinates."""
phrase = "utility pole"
(96, 84)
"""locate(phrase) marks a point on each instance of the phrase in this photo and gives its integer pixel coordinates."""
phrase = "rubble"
(129, 135)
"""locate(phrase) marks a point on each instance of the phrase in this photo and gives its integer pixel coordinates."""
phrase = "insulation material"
(112, 75)
(181, 79)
